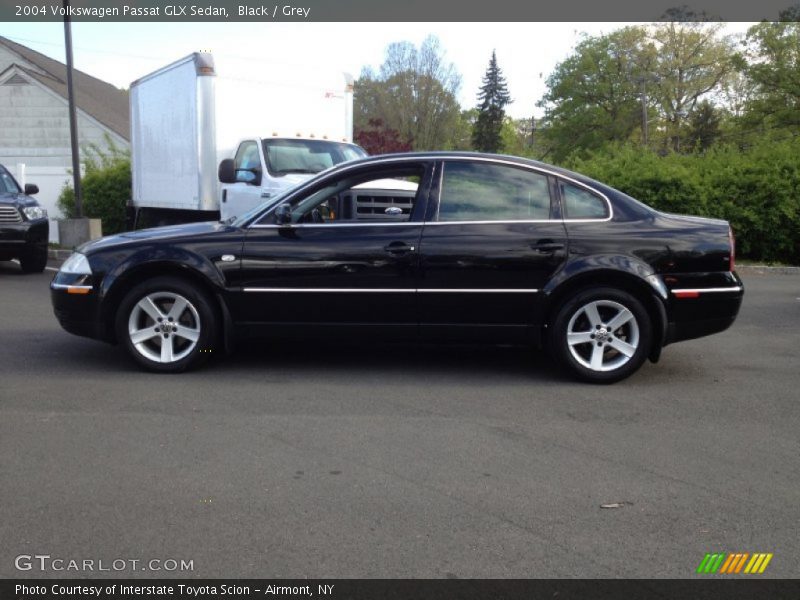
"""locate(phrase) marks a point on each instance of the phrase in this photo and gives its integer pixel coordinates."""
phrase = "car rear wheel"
(167, 325)
(34, 260)
(602, 335)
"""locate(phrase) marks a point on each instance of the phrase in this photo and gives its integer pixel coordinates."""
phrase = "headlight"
(76, 264)
(34, 212)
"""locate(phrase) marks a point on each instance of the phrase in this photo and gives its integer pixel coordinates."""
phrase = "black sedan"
(448, 247)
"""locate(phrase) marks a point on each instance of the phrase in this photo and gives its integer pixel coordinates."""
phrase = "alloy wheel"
(603, 335)
(164, 327)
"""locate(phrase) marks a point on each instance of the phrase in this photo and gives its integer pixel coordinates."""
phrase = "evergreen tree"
(492, 99)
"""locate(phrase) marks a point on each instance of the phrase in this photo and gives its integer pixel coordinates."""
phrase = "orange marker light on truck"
(78, 290)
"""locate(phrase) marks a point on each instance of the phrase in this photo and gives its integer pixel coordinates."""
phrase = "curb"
(58, 253)
(765, 270)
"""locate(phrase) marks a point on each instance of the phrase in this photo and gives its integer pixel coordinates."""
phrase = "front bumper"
(18, 237)
(76, 305)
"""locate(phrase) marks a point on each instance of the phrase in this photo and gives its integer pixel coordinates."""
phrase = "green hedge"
(106, 191)
(757, 190)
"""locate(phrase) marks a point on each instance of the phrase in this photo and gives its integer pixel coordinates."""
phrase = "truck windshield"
(307, 156)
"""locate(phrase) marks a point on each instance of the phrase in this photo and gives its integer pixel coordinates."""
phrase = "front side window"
(475, 191)
(7, 184)
(386, 196)
(580, 203)
(246, 162)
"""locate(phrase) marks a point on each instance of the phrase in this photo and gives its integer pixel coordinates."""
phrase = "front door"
(337, 264)
(246, 193)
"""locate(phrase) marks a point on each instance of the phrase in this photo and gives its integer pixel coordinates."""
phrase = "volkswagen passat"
(455, 247)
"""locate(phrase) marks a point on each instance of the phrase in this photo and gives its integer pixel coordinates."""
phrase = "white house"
(34, 119)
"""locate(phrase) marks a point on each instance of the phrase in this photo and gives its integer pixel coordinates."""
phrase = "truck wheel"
(167, 325)
(601, 335)
(34, 260)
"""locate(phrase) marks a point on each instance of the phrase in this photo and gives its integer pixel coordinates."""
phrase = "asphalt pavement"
(397, 461)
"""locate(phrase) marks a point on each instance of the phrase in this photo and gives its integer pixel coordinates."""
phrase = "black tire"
(197, 319)
(604, 356)
(34, 260)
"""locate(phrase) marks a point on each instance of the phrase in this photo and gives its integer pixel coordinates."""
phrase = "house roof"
(101, 100)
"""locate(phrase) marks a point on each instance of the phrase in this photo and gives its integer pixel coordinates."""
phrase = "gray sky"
(122, 52)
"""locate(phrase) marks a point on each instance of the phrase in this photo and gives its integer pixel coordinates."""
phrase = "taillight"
(732, 240)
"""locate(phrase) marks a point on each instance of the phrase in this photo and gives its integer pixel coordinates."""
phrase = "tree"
(492, 100)
(691, 62)
(414, 92)
(594, 95)
(772, 62)
(379, 139)
(704, 125)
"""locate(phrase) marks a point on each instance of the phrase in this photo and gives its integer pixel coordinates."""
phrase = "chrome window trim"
(394, 290)
(443, 158)
(736, 288)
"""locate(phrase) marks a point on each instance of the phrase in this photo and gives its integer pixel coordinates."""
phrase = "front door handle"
(398, 248)
(547, 246)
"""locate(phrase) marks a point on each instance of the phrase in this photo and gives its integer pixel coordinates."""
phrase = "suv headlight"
(34, 212)
(77, 264)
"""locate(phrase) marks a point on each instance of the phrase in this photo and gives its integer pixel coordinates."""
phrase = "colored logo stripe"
(734, 562)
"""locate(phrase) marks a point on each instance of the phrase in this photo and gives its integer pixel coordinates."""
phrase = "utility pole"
(644, 111)
(73, 121)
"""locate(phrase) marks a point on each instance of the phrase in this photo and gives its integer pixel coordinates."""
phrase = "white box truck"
(276, 128)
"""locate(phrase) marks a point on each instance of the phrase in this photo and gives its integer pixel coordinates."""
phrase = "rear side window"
(475, 191)
(580, 203)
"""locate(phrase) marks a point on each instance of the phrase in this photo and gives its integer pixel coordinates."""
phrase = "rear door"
(492, 240)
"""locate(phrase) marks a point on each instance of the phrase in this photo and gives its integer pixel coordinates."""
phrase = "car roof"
(462, 155)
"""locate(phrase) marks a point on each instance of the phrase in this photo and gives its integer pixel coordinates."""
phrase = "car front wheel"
(167, 325)
(602, 335)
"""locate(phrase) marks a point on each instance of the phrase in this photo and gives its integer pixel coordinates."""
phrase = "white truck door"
(251, 187)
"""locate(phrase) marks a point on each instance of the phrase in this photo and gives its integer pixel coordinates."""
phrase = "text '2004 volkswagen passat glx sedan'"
(447, 247)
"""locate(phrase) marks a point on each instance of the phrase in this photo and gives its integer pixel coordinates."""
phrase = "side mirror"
(226, 173)
(31, 189)
(283, 215)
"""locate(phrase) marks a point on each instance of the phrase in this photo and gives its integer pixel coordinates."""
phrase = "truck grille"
(371, 205)
(9, 214)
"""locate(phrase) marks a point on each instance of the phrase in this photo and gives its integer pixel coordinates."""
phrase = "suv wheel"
(34, 260)
(167, 325)
(602, 335)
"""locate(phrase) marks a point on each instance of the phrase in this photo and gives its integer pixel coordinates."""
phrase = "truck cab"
(261, 167)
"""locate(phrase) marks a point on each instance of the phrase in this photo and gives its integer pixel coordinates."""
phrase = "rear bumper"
(699, 311)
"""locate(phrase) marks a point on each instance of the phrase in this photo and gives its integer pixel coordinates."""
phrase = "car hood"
(175, 232)
(17, 200)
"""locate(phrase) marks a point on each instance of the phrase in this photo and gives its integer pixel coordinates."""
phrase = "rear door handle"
(398, 248)
(547, 246)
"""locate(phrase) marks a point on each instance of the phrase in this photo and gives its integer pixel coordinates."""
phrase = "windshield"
(307, 156)
(7, 183)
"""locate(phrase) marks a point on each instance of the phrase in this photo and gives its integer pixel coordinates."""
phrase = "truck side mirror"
(283, 214)
(31, 189)
(226, 173)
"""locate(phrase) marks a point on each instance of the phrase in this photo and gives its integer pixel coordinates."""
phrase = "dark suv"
(24, 228)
